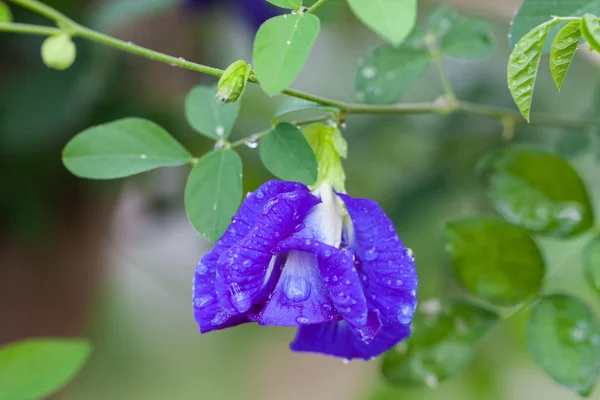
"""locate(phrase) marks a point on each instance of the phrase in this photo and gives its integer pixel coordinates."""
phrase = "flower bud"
(5, 14)
(233, 82)
(59, 51)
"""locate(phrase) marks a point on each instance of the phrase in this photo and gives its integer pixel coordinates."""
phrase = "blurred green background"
(113, 261)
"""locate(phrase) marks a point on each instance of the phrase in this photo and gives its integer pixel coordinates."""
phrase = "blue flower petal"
(341, 280)
(242, 269)
(208, 312)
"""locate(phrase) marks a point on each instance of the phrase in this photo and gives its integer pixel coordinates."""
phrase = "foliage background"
(114, 261)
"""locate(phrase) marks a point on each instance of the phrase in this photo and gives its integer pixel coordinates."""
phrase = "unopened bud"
(59, 51)
(233, 82)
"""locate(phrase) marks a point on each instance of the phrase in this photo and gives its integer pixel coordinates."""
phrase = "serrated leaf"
(290, 4)
(293, 104)
(389, 71)
(213, 192)
(208, 117)
(494, 260)
(535, 12)
(563, 50)
(564, 339)
(281, 47)
(591, 263)
(523, 65)
(444, 339)
(122, 148)
(393, 20)
(37, 368)
(590, 28)
(287, 154)
(5, 13)
(540, 191)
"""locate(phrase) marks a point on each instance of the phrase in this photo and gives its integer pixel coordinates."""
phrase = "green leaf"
(213, 192)
(494, 260)
(540, 191)
(590, 28)
(535, 12)
(281, 47)
(112, 13)
(563, 50)
(208, 117)
(291, 4)
(389, 71)
(564, 339)
(122, 148)
(393, 20)
(523, 66)
(287, 155)
(293, 104)
(591, 263)
(37, 368)
(444, 339)
(5, 13)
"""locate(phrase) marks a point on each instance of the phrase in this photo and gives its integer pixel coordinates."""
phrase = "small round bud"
(5, 13)
(59, 51)
(233, 82)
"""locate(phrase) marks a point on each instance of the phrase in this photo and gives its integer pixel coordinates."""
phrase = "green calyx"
(233, 82)
(329, 147)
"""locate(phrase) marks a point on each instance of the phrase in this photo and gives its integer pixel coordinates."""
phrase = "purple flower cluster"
(325, 262)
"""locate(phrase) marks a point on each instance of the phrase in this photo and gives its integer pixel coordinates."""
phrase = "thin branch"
(318, 4)
(28, 29)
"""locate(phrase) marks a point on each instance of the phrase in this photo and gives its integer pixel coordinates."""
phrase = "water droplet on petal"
(220, 317)
(202, 300)
(371, 254)
(268, 206)
(296, 288)
(410, 254)
(201, 269)
(259, 194)
(405, 314)
(346, 361)
(302, 320)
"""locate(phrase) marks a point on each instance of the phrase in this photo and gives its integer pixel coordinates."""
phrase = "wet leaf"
(591, 263)
(208, 117)
(389, 71)
(444, 339)
(539, 190)
(287, 154)
(393, 20)
(564, 339)
(590, 28)
(213, 192)
(281, 47)
(523, 66)
(37, 368)
(122, 148)
(494, 260)
(563, 50)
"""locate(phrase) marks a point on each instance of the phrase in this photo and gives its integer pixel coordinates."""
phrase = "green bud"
(59, 51)
(5, 14)
(233, 82)
(329, 147)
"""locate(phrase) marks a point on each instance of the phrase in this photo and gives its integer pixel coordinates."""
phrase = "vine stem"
(445, 106)
(318, 4)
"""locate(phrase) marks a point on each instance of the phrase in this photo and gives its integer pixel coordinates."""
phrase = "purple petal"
(341, 280)
(242, 269)
(207, 310)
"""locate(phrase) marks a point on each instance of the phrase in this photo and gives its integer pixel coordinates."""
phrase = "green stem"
(318, 4)
(436, 107)
(436, 58)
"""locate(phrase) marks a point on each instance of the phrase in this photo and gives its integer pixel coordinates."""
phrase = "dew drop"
(302, 320)
(289, 42)
(220, 317)
(220, 130)
(143, 156)
(220, 144)
(431, 381)
(346, 361)
(268, 206)
(299, 227)
(368, 72)
(405, 315)
(259, 194)
(248, 194)
(201, 269)
(214, 207)
(296, 288)
(202, 300)
(371, 254)
(308, 242)
(410, 254)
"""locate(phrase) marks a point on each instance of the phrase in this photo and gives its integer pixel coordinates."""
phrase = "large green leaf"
(564, 339)
(535, 12)
(444, 339)
(591, 263)
(393, 20)
(590, 28)
(523, 65)
(213, 192)
(291, 4)
(539, 191)
(281, 47)
(495, 260)
(206, 116)
(287, 154)
(36, 368)
(122, 148)
(294, 104)
(563, 50)
(389, 71)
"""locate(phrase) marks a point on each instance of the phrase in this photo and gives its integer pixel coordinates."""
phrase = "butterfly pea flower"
(319, 260)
